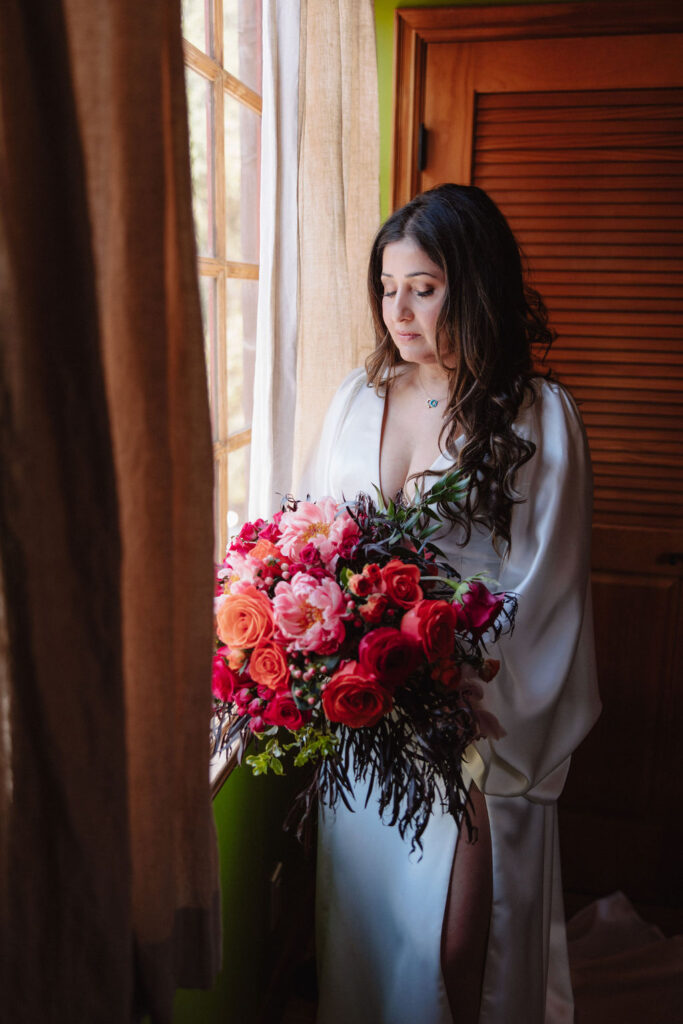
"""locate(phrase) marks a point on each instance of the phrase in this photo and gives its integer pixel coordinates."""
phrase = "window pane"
(207, 294)
(196, 19)
(241, 301)
(242, 41)
(242, 173)
(238, 488)
(200, 111)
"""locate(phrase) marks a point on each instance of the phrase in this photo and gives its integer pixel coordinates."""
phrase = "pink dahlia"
(310, 613)
(318, 523)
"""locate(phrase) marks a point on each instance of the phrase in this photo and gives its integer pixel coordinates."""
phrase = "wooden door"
(571, 117)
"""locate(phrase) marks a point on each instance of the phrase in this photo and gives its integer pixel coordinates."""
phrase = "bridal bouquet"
(346, 641)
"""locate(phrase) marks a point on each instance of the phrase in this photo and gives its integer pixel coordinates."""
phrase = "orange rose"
(268, 665)
(245, 618)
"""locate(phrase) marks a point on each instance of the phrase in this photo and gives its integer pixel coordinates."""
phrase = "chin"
(415, 356)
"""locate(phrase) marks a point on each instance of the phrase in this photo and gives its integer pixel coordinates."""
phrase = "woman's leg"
(466, 918)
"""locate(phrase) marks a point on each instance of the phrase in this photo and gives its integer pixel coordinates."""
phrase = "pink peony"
(310, 613)
(320, 524)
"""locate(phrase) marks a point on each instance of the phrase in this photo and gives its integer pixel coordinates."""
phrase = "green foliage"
(310, 743)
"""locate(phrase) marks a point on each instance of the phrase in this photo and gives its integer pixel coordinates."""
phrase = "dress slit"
(467, 916)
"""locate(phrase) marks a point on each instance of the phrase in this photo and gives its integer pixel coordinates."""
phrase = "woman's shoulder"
(352, 390)
(353, 382)
(548, 406)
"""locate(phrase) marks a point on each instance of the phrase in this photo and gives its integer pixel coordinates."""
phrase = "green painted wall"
(248, 813)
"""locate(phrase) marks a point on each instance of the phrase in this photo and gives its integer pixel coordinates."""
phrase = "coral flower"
(245, 618)
(318, 523)
(310, 613)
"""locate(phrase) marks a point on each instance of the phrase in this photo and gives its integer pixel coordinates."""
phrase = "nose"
(402, 308)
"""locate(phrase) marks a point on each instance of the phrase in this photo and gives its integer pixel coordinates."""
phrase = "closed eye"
(422, 295)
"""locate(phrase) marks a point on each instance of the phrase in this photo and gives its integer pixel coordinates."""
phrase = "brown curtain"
(108, 891)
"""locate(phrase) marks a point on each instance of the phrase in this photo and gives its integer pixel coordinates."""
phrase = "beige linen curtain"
(108, 891)
(319, 213)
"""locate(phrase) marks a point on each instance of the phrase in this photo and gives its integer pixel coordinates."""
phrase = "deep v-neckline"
(382, 413)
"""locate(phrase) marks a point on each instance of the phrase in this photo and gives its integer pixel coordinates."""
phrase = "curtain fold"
(320, 192)
(276, 331)
(109, 876)
(338, 203)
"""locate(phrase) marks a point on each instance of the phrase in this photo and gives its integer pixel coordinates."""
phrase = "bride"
(467, 932)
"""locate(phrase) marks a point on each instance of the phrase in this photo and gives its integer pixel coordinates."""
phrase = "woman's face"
(414, 292)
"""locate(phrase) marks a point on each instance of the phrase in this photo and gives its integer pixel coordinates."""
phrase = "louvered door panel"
(592, 185)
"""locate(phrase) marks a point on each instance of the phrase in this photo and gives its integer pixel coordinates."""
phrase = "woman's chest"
(409, 444)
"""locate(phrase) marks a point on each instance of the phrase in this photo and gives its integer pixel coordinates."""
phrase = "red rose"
(373, 573)
(432, 623)
(374, 608)
(477, 608)
(282, 710)
(388, 655)
(350, 697)
(359, 585)
(401, 583)
(224, 681)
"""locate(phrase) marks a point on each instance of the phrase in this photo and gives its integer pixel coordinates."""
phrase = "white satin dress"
(380, 910)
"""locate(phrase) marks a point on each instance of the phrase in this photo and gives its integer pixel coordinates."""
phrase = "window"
(222, 41)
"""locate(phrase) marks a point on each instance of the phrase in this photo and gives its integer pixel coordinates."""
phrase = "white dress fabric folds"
(380, 908)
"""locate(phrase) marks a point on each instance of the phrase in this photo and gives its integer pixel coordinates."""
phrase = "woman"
(469, 932)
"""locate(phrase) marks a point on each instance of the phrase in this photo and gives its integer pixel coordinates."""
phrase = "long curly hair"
(489, 321)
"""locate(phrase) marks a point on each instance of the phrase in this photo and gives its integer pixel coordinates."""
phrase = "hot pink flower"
(224, 682)
(310, 613)
(318, 523)
(271, 531)
(282, 710)
(478, 608)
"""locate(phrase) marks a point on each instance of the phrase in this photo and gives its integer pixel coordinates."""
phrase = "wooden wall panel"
(592, 183)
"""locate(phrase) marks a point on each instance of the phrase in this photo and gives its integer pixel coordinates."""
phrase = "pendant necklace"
(432, 403)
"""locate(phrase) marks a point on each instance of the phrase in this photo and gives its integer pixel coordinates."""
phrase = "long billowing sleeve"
(545, 694)
(316, 478)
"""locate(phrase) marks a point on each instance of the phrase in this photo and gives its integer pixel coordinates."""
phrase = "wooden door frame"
(416, 27)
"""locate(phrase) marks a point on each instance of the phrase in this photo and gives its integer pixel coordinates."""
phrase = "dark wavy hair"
(489, 321)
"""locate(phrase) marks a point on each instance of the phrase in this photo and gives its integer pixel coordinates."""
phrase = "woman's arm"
(545, 695)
